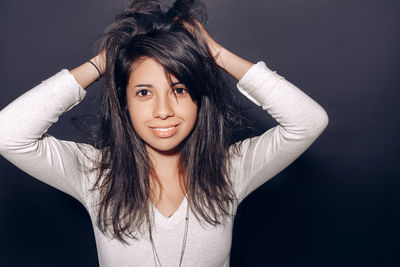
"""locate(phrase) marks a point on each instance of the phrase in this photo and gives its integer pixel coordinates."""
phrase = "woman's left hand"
(213, 46)
(233, 64)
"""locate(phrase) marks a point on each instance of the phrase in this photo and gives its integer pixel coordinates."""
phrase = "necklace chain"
(157, 261)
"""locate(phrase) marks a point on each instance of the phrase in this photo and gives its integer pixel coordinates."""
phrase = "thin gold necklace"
(157, 261)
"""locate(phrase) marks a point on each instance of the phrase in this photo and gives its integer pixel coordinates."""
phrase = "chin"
(164, 148)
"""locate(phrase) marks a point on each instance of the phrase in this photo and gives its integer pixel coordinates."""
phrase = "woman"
(165, 177)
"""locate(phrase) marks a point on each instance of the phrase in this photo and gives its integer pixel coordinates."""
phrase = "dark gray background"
(337, 205)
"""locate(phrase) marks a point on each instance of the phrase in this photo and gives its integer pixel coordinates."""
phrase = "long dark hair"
(123, 166)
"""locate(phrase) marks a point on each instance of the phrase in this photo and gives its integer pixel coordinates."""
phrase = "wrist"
(99, 60)
(220, 54)
(233, 64)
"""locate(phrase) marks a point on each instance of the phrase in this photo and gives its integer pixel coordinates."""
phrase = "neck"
(166, 169)
(165, 163)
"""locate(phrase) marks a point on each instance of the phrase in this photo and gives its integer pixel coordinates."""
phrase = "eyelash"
(184, 91)
(140, 91)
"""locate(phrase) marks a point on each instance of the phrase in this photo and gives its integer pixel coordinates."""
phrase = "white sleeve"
(300, 121)
(25, 143)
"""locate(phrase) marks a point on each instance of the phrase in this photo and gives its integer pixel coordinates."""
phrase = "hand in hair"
(231, 63)
(213, 46)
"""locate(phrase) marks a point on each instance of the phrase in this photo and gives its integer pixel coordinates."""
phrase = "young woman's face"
(162, 111)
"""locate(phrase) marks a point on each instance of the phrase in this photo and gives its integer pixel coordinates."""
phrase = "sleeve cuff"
(257, 82)
(67, 87)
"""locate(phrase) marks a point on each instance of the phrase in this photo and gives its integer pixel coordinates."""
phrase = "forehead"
(150, 71)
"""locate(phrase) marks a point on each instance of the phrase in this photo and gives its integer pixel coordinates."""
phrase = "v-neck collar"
(172, 220)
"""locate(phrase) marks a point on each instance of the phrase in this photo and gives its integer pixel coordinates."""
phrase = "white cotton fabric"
(25, 143)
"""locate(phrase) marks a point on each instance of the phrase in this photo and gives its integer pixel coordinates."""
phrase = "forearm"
(301, 120)
(86, 73)
(231, 63)
(25, 143)
(29, 116)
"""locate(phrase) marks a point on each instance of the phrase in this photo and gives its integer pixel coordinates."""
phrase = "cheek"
(191, 113)
(137, 115)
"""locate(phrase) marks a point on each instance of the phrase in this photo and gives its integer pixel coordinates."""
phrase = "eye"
(180, 91)
(143, 92)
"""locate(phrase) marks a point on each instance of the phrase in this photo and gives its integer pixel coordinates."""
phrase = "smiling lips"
(164, 132)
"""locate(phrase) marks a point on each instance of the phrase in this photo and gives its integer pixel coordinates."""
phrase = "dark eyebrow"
(175, 83)
(143, 85)
(150, 86)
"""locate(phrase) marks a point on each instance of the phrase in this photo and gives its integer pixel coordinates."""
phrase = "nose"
(163, 108)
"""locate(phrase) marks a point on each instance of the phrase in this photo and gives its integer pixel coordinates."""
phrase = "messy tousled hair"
(172, 38)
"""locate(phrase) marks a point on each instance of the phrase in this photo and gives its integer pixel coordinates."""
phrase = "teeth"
(165, 129)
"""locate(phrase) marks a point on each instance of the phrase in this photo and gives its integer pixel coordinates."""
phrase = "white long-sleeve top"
(25, 143)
